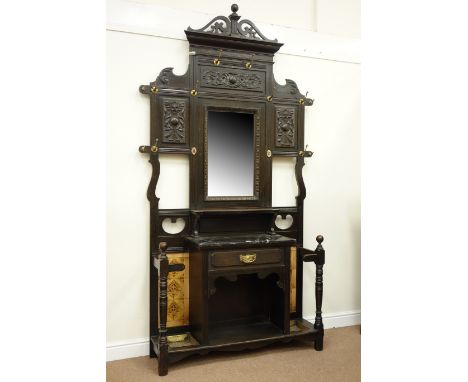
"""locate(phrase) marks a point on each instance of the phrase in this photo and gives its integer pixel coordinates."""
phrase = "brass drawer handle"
(248, 259)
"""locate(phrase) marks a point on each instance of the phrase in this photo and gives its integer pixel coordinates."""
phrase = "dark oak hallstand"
(231, 279)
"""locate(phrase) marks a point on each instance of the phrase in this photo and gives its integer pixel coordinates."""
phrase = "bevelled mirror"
(230, 154)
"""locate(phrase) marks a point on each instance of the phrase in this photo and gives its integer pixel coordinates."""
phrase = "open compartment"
(246, 307)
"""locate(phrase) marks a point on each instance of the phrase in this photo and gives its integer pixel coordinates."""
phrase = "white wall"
(332, 175)
(339, 17)
(301, 15)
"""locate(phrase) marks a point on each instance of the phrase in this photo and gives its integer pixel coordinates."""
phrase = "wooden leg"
(318, 296)
(163, 359)
(318, 345)
(318, 305)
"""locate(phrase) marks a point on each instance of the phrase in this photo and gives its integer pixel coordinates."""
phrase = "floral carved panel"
(232, 79)
(285, 127)
(174, 121)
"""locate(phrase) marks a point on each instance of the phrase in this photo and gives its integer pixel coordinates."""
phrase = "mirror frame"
(199, 198)
(256, 149)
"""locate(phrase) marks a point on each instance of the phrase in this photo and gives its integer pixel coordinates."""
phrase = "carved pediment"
(231, 28)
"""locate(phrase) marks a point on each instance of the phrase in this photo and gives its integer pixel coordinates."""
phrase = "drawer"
(246, 257)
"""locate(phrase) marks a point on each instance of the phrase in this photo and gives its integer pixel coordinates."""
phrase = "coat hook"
(217, 60)
(249, 63)
(154, 148)
(194, 92)
(302, 100)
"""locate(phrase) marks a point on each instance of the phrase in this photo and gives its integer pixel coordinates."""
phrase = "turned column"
(319, 261)
(163, 360)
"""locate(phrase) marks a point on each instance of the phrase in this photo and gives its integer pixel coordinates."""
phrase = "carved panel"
(232, 79)
(285, 127)
(292, 278)
(174, 117)
(178, 291)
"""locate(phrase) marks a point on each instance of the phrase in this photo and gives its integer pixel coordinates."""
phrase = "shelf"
(239, 337)
(241, 333)
(239, 240)
(235, 210)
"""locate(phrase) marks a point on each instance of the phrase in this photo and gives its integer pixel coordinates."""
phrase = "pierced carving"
(174, 121)
(285, 127)
(248, 29)
(231, 26)
(232, 80)
(219, 25)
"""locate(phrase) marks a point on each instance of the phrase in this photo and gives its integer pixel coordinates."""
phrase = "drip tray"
(177, 341)
(296, 326)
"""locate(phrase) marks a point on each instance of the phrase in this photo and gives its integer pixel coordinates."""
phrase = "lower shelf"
(237, 337)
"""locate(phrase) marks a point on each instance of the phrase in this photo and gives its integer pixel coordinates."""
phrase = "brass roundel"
(154, 89)
(269, 153)
(216, 61)
(154, 149)
(193, 92)
(248, 65)
(301, 153)
(194, 150)
(270, 98)
(301, 101)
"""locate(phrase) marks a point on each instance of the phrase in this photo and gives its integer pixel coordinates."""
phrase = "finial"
(234, 16)
(319, 239)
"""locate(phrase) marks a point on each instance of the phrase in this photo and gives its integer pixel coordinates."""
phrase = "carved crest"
(222, 25)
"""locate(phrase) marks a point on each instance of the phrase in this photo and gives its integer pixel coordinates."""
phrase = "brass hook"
(302, 100)
(154, 148)
(302, 153)
(194, 92)
(249, 64)
(217, 60)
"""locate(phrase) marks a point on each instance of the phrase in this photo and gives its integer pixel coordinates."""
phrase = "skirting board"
(139, 347)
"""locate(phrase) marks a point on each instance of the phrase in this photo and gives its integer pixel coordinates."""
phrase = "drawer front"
(246, 257)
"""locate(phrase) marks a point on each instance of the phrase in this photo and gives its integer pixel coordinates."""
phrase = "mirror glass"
(230, 154)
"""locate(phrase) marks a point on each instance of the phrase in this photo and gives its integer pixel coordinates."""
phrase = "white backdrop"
(136, 52)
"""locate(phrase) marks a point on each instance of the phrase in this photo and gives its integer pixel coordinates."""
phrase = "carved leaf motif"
(232, 80)
(174, 122)
(285, 127)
